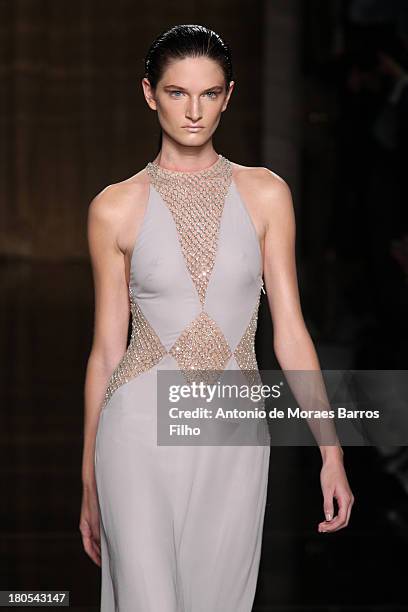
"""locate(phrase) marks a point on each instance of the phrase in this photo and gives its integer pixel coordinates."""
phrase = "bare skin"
(192, 92)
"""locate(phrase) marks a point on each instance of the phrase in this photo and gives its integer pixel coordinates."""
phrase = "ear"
(230, 89)
(149, 93)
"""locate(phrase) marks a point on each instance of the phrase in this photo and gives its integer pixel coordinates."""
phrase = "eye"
(212, 92)
(175, 91)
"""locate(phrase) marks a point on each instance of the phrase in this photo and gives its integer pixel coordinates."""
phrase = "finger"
(349, 511)
(96, 540)
(328, 506)
(95, 537)
(90, 550)
(95, 534)
(96, 547)
(97, 557)
(339, 521)
(87, 543)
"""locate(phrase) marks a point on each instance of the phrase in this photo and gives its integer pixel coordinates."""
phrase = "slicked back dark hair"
(183, 41)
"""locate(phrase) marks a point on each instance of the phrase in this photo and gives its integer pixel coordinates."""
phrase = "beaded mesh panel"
(196, 201)
(245, 350)
(201, 351)
(200, 348)
(144, 351)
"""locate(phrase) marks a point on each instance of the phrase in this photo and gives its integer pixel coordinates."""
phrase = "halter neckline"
(210, 170)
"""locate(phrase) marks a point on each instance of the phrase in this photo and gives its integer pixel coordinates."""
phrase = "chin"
(193, 142)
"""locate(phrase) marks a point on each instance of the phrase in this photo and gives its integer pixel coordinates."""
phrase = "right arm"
(111, 321)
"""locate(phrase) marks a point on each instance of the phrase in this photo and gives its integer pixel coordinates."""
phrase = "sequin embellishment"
(196, 201)
(201, 346)
(144, 351)
(201, 350)
(245, 351)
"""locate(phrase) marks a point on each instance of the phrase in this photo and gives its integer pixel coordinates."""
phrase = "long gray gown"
(181, 526)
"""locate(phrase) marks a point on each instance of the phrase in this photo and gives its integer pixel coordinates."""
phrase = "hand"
(89, 524)
(334, 484)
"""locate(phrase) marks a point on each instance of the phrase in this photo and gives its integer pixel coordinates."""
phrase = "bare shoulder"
(266, 182)
(270, 192)
(118, 206)
(114, 197)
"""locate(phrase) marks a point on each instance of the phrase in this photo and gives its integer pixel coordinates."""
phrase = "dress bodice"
(195, 276)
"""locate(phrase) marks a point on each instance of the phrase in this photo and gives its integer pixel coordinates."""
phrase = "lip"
(193, 128)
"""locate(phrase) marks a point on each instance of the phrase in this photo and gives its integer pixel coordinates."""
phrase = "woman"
(183, 245)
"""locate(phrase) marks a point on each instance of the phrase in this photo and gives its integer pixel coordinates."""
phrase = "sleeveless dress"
(181, 526)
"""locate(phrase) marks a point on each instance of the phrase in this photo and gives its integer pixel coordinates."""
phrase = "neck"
(187, 161)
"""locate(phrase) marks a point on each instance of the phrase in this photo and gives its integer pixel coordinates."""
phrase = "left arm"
(293, 346)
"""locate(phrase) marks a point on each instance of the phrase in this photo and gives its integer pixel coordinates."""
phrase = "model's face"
(191, 93)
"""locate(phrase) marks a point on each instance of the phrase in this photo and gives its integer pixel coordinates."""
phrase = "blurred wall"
(73, 115)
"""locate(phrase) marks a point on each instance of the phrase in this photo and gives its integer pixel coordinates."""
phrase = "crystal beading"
(144, 351)
(196, 201)
(201, 346)
(245, 350)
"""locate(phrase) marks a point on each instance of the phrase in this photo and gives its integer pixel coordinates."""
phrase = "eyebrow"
(219, 87)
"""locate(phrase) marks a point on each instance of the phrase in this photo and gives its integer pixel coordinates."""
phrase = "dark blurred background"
(321, 98)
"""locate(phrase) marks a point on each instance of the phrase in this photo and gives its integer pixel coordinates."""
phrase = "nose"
(193, 111)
